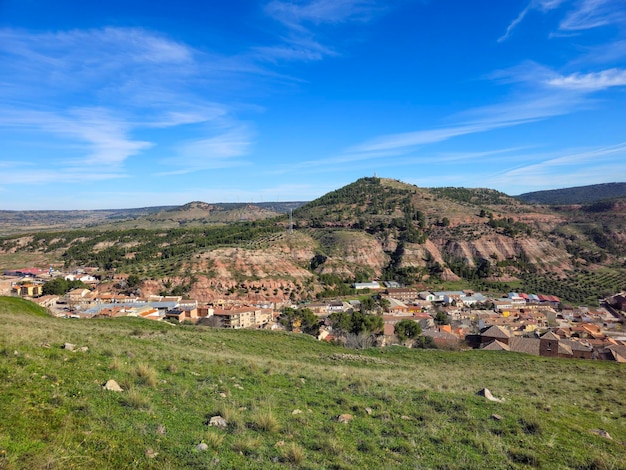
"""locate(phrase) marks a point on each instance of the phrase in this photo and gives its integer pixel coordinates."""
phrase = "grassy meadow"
(281, 395)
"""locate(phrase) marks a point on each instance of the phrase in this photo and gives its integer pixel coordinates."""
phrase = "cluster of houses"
(518, 322)
(585, 341)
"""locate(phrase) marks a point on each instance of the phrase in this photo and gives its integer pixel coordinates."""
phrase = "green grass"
(21, 306)
(424, 411)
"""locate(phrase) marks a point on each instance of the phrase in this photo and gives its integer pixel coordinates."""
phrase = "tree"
(133, 280)
(303, 318)
(362, 323)
(57, 286)
(60, 286)
(341, 321)
(368, 305)
(424, 342)
(441, 318)
(407, 329)
(384, 304)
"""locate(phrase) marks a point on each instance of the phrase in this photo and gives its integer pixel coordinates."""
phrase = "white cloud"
(295, 48)
(590, 14)
(542, 5)
(584, 14)
(591, 81)
(573, 167)
(67, 84)
(294, 14)
(103, 137)
(220, 151)
(300, 17)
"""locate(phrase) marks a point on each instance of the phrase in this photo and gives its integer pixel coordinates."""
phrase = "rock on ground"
(113, 386)
(487, 394)
(344, 418)
(218, 422)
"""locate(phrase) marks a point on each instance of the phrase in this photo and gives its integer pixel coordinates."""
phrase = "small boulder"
(344, 418)
(601, 433)
(218, 422)
(113, 386)
(296, 412)
(69, 346)
(496, 417)
(368, 410)
(485, 392)
(202, 447)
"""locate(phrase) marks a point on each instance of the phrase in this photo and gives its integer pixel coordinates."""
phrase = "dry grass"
(265, 421)
(146, 375)
(293, 454)
(232, 416)
(247, 445)
(214, 440)
(135, 398)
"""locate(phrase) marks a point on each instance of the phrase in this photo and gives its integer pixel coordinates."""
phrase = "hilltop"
(374, 228)
(282, 394)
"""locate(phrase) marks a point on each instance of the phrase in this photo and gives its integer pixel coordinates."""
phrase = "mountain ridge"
(576, 195)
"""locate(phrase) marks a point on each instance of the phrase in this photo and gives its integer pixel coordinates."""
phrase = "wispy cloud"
(526, 109)
(539, 93)
(589, 14)
(296, 14)
(591, 81)
(294, 48)
(220, 151)
(96, 89)
(541, 5)
(583, 14)
(104, 138)
(573, 167)
(301, 18)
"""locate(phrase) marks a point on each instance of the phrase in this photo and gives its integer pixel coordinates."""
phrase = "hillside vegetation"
(372, 228)
(282, 394)
(577, 195)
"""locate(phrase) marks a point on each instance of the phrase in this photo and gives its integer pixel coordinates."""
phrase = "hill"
(281, 395)
(195, 214)
(372, 228)
(576, 195)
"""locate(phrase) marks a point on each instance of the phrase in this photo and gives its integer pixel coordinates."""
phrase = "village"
(454, 320)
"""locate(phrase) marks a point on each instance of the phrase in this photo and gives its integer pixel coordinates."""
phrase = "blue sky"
(135, 103)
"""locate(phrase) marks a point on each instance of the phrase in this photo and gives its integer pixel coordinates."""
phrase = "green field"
(424, 411)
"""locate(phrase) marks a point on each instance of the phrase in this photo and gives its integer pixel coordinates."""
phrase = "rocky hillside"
(372, 228)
